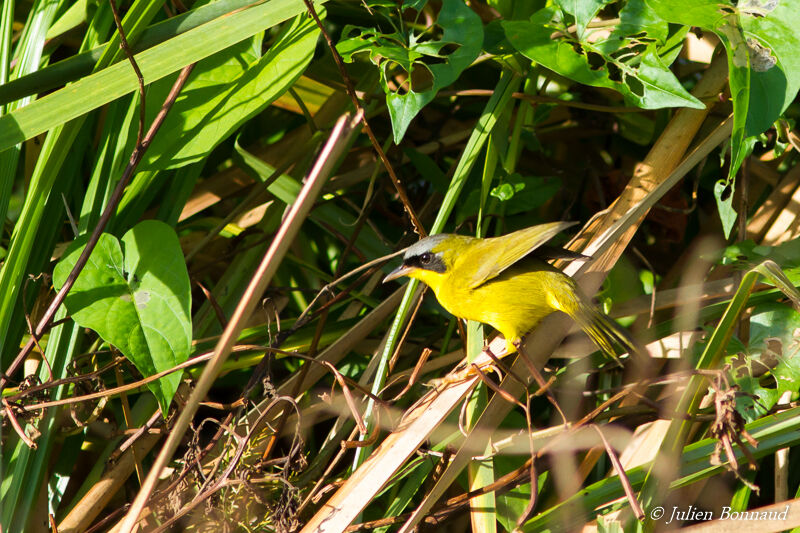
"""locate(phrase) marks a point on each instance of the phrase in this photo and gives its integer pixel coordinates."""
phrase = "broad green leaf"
(137, 297)
(772, 352)
(763, 62)
(774, 46)
(637, 17)
(583, 11)
(463, 28)
(703, 13)
(648, 84)
(226, 90)
(515, 10)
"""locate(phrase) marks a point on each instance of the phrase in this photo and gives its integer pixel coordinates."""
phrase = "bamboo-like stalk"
(294, 218)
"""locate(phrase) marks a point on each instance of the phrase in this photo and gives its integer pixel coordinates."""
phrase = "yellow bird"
(505, 282)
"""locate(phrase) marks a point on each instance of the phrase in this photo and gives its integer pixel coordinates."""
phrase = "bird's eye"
(426, 258)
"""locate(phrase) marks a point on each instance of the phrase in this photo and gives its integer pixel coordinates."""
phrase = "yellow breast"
(513, 303)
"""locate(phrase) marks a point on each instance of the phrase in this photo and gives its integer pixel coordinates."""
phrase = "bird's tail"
(603, 331)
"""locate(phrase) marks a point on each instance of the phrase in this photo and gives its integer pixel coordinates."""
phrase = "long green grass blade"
(118, 80)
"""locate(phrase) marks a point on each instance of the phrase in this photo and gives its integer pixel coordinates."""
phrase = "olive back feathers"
(499, 253)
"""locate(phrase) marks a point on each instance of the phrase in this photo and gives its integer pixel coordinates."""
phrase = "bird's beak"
(398, 272)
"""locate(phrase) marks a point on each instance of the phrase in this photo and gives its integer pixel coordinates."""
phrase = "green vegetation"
(192, 263)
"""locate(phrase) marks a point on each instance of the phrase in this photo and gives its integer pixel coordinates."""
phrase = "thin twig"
(65, 381)
(423, 358)
(123, 43)
(136, 384)
(15, 424)
(492, 385)
(153, 420)
(623, 477)
(541, 382)
(547, 100)
(351, 91)
(214, 304)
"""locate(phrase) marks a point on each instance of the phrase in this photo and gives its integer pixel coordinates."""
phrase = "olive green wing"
(492, 256)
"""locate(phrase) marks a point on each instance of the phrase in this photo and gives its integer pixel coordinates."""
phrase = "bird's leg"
(544, 387)
(467, 370)
(495, 359)
(487, 349)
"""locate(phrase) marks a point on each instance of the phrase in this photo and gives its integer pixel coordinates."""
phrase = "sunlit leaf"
(136, 295)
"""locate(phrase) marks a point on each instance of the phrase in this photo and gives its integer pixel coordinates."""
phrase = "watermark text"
(693, 514)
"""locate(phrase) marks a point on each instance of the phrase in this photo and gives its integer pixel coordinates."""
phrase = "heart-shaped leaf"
(137, 297)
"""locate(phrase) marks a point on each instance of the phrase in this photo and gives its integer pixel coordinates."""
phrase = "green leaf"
(730, 33)
(383, 48)
(772, 350)
(408, 4)
(72, 17)
(723, 193)
(583, 11)
(137, 297)
(462, 29)
(773, 43)
(637, 17)
(724, 189)
(747, 253)
(759, 35)
(505, 191)
(83, 63)
(514, 10)
(224, 91)
(764, 67)
(704, 13)
(648, 84)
